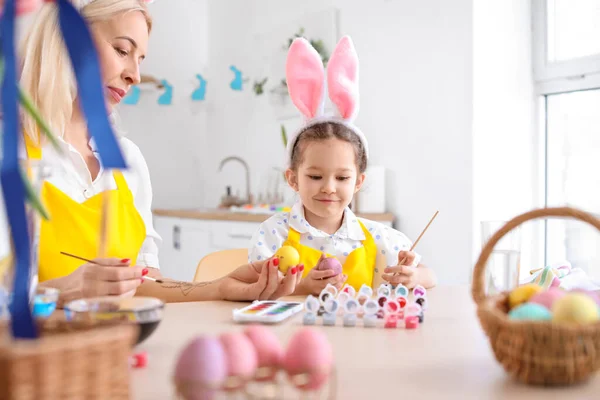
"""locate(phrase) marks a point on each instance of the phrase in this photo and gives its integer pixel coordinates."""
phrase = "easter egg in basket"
(522, 294)
(530, 312)
(575, 308)
(547, 298)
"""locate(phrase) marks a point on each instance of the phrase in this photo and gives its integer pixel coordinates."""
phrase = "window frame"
(552, 78)
(563, 76)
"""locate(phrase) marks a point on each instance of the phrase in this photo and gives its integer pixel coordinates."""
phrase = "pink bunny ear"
(305, 77)
(342, 78)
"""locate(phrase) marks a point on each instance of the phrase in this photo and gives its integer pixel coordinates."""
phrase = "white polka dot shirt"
(273, 233)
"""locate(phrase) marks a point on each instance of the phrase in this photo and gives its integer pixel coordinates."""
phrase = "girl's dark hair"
(329, 130)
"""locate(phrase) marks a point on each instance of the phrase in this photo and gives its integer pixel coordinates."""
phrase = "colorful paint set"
(388, 307)
(268, 312)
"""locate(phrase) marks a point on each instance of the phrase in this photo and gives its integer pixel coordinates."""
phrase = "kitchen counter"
(224, 215)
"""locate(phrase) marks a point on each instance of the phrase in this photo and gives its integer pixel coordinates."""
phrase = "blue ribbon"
(90, 89)
(81, 49)
(12, 185)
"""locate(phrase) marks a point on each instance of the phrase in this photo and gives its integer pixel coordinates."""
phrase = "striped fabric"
(550, 276)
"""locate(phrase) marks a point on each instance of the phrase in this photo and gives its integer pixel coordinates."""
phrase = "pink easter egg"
(308, 359)
(240, 356)
(201, 369)
(268, 350)
(330, 263)
(547, 298)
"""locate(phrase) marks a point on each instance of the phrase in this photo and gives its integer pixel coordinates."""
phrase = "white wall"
(416, 109)
(506, 152)
(446, 102)
(172, 138)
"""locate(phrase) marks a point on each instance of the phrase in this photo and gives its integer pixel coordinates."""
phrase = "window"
(573, 29)
(567, 74)
(566, 39)
(573, 174)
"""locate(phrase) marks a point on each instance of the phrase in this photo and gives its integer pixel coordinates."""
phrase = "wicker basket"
(536, 352)
(68, 361)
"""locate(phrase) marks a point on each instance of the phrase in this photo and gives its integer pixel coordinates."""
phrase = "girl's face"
(121, 43)
(327, 177)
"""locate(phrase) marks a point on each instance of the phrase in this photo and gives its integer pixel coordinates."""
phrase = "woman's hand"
(104, 277)
(260, 280)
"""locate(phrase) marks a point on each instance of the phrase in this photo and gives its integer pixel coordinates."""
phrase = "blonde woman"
(73, 193)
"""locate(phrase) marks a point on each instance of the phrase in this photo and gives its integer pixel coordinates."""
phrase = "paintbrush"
(419, 238)
(95, 263)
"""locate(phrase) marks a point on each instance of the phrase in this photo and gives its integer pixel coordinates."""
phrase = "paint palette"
(267, 312)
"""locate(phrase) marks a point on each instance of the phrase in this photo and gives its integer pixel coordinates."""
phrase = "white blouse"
(273, 233)
(73, 178)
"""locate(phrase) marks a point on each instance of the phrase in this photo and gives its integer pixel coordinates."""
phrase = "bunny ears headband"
(306, 82)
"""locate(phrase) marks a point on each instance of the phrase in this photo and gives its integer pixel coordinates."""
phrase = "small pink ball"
(330, 263)
(309, 352)
(547, 297)
(201, 366)
(22, 6)
(268, 350)
(240, 355)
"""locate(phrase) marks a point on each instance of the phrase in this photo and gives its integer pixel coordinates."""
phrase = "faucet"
(249, 199)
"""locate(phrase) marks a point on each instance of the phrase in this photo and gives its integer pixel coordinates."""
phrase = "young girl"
(327, 162)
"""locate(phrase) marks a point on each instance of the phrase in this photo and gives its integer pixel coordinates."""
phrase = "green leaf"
(34, 200)
(34, 112)
(284, 136)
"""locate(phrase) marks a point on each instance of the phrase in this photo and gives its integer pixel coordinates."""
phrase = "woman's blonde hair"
(46, 72)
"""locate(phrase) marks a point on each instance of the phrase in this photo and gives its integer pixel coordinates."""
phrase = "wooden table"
(448, 357)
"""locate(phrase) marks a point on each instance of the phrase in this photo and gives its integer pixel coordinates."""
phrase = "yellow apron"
(74, 227)
(359, 265)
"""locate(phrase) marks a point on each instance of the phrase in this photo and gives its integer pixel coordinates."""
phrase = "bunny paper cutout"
(308, 83)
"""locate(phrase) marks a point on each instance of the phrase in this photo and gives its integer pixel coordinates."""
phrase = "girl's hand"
(403, 273)
(408, 276)
(316, 280)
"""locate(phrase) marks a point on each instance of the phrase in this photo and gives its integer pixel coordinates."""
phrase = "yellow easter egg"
(575, 308)
(288, 257)
(522, 294)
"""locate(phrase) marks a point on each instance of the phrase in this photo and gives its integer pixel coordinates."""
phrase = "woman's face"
(121, 43)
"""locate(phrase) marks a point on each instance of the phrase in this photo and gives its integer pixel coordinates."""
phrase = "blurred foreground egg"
(269, 351)
(240, 356)
(200, 369)
(308, 359)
